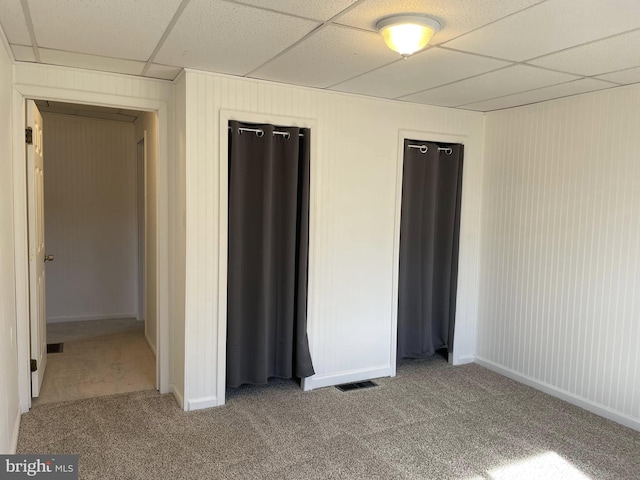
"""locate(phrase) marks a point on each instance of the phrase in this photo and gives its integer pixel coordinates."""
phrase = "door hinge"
(28, 134)
(34, 364)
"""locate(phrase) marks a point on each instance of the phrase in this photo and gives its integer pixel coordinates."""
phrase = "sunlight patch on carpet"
(548, 465)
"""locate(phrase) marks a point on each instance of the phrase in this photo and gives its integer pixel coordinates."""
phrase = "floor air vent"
(54, 347)
(345, 387)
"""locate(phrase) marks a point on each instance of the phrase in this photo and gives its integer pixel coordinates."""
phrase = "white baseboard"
(151, 345)
(316, 381)
(565, 395)
(16, 431)
(80, 318)
(201, 403)
(463, 360)
(177, 395)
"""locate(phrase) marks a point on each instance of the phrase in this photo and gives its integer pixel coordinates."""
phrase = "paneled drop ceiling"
(490, 54)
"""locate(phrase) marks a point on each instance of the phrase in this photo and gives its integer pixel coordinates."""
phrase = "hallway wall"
(90, 218)
(147, 125)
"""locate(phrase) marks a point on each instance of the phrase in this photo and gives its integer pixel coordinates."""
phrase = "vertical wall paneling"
(354, 200)
(560, 269)
(9, 409)
(113, 90)
(90, 218)
(89, 85)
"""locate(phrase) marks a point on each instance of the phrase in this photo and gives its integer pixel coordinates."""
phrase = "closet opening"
(429, 243)
(268, 254)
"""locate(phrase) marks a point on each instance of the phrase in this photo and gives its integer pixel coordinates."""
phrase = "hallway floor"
(100, 357)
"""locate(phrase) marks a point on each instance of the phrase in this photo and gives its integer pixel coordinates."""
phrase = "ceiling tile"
(46, 106)
(86, 110)
(117, 28)
(509, 80)
(456, 16)
(117, 117)
(166, 72)
(85, 107)
(625, 77)
(23, 53)
(91, 62)
(611, 54)
(229, 38)
(547, 93)
(327, 57)
(321, 11)
(130, 113)
(13, 23)
(551, 26)
(60, 111)
(427, 69)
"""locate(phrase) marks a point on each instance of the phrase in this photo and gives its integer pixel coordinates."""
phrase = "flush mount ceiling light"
(407, 34)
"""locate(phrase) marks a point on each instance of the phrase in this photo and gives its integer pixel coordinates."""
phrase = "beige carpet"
(432, 421)
(95, 362)
(79, 330)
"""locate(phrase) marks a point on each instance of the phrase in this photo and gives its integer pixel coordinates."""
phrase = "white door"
(35, 186)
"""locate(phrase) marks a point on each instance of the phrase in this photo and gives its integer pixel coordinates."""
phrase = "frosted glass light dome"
(407, 34)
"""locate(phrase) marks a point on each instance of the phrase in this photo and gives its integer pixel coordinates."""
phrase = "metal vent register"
(345, 387)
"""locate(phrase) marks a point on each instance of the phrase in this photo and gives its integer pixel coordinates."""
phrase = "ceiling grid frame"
(359, 63)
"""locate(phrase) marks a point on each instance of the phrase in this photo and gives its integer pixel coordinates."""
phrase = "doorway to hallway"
(96, 219)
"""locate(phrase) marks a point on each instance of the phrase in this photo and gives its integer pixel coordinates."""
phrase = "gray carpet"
(431, 421)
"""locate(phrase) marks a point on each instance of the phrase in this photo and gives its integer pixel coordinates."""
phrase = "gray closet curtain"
(429, 237)
(268, 254)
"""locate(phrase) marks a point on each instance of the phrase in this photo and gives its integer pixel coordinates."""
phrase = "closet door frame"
(223, 230)
(434, 137)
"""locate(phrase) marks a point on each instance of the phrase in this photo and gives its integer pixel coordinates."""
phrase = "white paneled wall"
(354, 168)
(9, 412)
(560, 275)
(90, 218)
(90, 86)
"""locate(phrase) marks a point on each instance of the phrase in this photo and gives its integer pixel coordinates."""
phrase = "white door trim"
(20, 93)
(402, 136)
(141, 279)
(223, 231)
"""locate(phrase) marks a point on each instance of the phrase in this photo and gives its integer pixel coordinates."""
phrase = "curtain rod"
(259, 132)
(425, 149)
